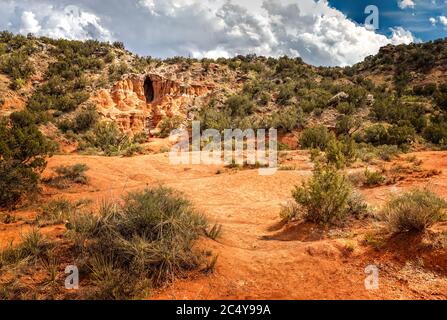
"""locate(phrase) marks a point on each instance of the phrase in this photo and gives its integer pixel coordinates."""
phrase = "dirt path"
(257, 258)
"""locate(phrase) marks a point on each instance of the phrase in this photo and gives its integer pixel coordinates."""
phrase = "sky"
(322, 32)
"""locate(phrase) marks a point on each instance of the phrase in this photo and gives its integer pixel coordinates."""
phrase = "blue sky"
(323, 32)
(413, 18)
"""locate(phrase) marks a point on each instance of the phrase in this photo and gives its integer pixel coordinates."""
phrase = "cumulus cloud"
(443, 21)
(404, 4)
(318, 33)
(68, 22)
(432, 21)
(402, 36)
(29, 23)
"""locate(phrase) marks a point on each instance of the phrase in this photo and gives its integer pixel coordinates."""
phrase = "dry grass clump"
(143, 242)
(68, 175)
(415, 210)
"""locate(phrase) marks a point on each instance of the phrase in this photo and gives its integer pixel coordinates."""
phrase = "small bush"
(415, 210)
(108, 138)
(325, 197)
(140, 138)
(32, 247)
(17, 66)
(291, 211)
(67, 175)
(23, 150)
(168, 124)
(376, 134)
(388, 153)
(145, 241)
(287, 119)
(315, 137)
(58, 212)
(85, 120)
(239, 106)
(373, 178)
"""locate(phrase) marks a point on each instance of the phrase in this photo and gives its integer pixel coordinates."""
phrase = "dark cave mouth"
(149, 90)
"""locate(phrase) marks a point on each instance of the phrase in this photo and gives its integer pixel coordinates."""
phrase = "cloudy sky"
(325, 32)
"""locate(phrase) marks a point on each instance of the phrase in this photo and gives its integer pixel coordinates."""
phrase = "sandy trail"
(256, 260)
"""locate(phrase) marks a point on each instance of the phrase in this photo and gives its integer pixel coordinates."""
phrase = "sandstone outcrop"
(139, 102)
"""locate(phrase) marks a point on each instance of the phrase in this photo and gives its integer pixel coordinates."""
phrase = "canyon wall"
(139, 102)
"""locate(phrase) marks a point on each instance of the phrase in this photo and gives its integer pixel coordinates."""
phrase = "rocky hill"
(69, 85)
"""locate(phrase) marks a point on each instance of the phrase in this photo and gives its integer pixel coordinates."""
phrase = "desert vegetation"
(125, 251)
(357, 148)
(415, 210)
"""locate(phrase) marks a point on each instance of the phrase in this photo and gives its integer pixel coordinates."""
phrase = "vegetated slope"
(402, 87)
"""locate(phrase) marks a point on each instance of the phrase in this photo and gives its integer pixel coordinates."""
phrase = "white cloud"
(403, 4)
(400, 35)
(29, 23)
(68, 22)
(432, 21)
(318, 33)
(443, 21)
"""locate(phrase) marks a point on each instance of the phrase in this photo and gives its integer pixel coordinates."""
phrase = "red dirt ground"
(258, 257)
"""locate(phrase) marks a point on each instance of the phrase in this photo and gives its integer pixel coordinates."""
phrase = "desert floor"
(259, 257)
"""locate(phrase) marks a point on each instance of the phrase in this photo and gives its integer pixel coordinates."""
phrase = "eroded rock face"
(139, 102)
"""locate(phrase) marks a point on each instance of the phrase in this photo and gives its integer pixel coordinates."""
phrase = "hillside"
(59, 80)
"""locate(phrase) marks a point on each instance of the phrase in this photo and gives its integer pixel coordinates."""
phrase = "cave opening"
(149, 90)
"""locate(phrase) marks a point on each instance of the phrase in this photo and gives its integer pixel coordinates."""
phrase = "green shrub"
(211, 118)
(376, 134)
(346, 108)
(67, 175)
(85, 120)
(285, 94)
(146, 241)
(325, 197)
(239, 106)
(287, 119)
(415, 210)
(168, 124)
(17, 66)
(315, 137)
(387, 153)
(341, 152)
(108, 138)
(373, 178)
(23, 150)
(401, 134)
(33, 247)
(140, 138)
(436, 133)
(346, 125)
(59, 212)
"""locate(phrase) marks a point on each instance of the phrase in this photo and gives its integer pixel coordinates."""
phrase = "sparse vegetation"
(67, 175)
(373, 178)
(108, 139)
(315, 137)
(33, 246)
(327, 197)
(23, 150)
(59, 212)
(144, 242)
(415, 210)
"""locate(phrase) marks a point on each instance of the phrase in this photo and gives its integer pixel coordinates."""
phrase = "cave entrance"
(149, 90)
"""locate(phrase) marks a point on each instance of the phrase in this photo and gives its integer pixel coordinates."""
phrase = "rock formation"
(139, 102)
